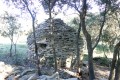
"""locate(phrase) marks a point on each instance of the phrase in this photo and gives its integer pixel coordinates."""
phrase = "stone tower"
(64, 40)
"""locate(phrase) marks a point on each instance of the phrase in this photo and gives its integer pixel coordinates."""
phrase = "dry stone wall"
(63, 38)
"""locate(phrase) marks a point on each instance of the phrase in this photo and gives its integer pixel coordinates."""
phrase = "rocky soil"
(8, 72)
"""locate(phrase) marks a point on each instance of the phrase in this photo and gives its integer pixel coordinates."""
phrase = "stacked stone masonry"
(63, 38)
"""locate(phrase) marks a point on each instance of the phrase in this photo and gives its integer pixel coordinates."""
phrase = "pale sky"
(25, 19)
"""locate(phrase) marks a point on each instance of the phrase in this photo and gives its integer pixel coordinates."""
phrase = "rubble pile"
(8, 72)
(5, 70)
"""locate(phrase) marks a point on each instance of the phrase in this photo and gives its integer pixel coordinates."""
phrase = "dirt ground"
(101, 71)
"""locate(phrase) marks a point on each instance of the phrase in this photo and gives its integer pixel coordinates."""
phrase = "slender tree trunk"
(114, 61)
(90, 50)
(55, 59)
(15, 52)
(117, 71)
(90, 53)
(88, 40)
(34, 36)
(11, 47)
(90, 64)
(15, 45)
(78, 47)
(15, 49)
(36, 49)
(104, 50)
(52, 33)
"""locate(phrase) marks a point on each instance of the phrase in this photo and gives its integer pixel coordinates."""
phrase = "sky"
(25, 19)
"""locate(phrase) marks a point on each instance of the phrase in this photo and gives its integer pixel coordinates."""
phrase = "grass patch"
(102, 61)
(21, 48)
(21, 53)
(4, 48)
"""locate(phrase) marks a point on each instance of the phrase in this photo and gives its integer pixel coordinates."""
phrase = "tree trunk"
(36, 49)
(90, 55)
(90, 63)
(11, 47)
(114, 61)
(15, 45)
(15, 49)
(52, 33)
(78, 47)
(117, 71)
(55, 59)
(15, 52)
(88, 40)
(90, 50)
(34, 36)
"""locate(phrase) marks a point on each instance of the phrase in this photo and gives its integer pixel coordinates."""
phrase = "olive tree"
(114, 24)
(82, 7)
(10, 29)
(29, 7)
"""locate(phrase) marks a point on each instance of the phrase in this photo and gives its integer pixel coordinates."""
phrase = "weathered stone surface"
(55, 76)
(63, 38)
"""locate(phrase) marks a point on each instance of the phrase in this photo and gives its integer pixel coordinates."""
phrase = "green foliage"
(93, 20)
(74, 22)
(106, 36)
(102, 48)
(11, 27)
(102, 61)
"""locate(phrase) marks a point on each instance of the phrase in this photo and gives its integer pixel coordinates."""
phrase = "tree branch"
(117, 19)
(102, 25)
(33, 25)
(26, 3)
(76, 8)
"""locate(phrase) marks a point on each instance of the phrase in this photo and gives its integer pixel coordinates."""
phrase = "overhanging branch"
(102, 25)
(26, 3)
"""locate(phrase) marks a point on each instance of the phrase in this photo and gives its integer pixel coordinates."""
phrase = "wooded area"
(59, 49)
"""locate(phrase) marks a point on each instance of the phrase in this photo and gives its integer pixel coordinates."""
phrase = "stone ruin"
(63, 38)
